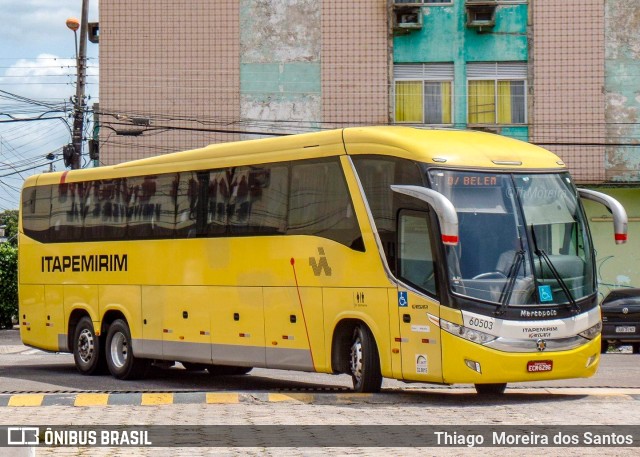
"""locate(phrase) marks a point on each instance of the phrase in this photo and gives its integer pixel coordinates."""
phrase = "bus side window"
(67, 212)
(258, 202)
(36, 206)
(218, 200)
(377, 174)
(184, 188)
(416, 263)
(320, 204)
(151, 207)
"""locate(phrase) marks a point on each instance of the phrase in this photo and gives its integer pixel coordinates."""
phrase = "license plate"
(626, 329)
(537, 366)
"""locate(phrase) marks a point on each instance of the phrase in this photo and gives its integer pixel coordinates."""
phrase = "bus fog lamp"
(475, 366)
(591, 360)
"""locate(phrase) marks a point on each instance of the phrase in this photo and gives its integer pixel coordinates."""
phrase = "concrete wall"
(280, 45)
(173, 61)
(622, 90)
(355, 63)
(568, 106)
(200, 69)
(617, 263)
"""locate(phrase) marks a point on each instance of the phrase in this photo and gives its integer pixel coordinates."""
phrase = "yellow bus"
(381, 252)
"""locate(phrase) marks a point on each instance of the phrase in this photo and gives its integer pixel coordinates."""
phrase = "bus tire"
(491, 389)
(120, 359)
(364, 362)
(227, 370)
(604, 346)
(87, 351)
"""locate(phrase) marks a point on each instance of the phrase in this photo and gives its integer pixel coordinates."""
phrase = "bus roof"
(449, 148)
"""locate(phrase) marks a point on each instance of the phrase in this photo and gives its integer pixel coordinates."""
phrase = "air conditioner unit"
(481, 13)
(406, 17)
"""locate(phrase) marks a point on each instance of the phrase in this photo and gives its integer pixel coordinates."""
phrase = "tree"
(9, 219)
(8, 284)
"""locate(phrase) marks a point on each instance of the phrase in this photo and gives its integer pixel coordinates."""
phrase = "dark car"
(621, 319)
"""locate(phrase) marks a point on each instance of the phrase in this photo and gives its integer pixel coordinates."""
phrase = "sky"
(37, 79)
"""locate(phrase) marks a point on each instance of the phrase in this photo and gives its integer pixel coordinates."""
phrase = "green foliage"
(8, 284)
(9, 219)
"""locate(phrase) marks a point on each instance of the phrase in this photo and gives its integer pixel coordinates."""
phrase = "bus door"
(418, 309)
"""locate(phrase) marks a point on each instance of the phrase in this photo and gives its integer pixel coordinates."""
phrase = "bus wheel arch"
(109, 317)
(355, 352)
(122, 363)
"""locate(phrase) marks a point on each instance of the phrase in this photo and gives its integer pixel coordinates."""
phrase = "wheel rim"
(356, 357)
(119, 350)
(86, 345)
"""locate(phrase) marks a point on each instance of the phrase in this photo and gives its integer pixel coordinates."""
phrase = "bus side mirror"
(447, 215)
(618, 212)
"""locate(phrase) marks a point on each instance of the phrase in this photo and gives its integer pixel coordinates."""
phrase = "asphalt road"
(182, 403)
(24, 369)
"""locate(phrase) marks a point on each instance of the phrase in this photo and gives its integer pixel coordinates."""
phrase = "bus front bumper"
(470, 363)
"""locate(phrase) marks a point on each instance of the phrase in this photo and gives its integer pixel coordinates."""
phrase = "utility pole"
(79, 102)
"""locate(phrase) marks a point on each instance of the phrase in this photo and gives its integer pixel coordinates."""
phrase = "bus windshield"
(522, 238)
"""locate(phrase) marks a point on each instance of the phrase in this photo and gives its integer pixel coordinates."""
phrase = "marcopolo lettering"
(80, 263)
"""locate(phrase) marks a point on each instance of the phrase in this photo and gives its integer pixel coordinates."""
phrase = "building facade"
(560, 74)
(184, 74)
(461, 64)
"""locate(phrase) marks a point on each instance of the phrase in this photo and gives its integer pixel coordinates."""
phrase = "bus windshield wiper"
(573, 306)
(507, 291)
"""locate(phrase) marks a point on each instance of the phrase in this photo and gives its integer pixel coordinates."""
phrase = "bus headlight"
(592, 332)
(475, 336)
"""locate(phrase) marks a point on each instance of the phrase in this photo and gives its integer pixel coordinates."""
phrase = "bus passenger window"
(415, 261)
(258, 203)
(320, 204)
(151, 206)
(218, 199)
(67, 212)
(36, 206)
(186, 192)
(106, 219)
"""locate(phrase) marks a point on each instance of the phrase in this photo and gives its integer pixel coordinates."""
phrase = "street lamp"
(72, 158)
(74, 24)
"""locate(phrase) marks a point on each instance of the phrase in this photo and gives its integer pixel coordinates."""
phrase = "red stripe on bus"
(449, 239)
(621, 236)
(63, 178)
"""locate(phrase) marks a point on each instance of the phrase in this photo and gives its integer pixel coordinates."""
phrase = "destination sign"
(472, 180)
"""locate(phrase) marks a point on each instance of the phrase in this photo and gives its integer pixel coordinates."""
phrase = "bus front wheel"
(87, 353)
(364, 362)
(120, 359)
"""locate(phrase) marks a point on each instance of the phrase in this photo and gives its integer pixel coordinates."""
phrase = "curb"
(84, 399)
(90, 399)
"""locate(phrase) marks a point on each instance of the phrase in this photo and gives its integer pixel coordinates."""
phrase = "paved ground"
(342, 412)
(411, 409)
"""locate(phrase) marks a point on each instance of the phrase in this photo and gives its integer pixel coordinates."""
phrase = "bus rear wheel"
(364, 362)
(87, 351)
(120, 359)
(491, 389)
